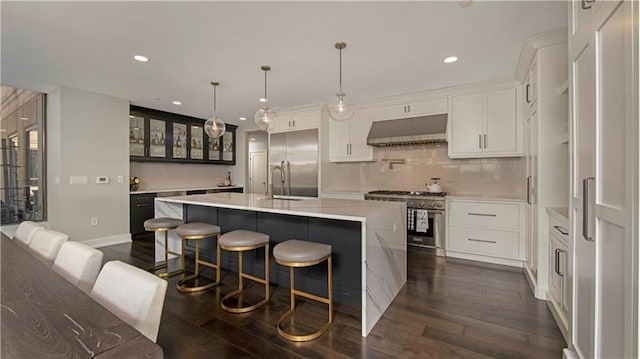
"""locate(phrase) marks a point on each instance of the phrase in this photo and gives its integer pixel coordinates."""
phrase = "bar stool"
(295, 253)
(197, 231)
(241, 241)
(164, 224)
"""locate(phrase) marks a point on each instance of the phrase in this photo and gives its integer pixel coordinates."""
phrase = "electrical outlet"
(94, 221)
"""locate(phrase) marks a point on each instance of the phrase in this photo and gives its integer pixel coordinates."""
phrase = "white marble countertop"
(487, 197)
(342, 209)
(181, 189)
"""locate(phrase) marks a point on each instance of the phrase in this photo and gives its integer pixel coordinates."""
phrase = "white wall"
(87, 135)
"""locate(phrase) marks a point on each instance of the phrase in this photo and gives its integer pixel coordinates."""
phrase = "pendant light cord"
(340, 71)
(265, 89)
(214, 99)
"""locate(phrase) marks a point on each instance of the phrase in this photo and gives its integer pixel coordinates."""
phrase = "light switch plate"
(78, 180)
(120, 179)
(102, 179)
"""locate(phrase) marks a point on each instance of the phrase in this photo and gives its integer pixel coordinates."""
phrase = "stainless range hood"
(409, 131)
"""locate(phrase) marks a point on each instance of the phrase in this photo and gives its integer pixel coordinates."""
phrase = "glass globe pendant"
(341, 111)
(265, 118)
(214, 127)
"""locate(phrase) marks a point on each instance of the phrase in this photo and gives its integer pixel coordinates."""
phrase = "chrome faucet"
(273, 169)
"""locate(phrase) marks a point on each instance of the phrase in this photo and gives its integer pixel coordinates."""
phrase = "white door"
(465, 125)
(500, 125)
(532, 190)
(605, 138)
(612, 214)
(258, 172)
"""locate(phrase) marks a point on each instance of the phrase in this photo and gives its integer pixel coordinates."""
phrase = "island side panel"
(385, 262)
(171, 210)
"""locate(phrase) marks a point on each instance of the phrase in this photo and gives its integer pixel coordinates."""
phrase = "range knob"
(439, 205)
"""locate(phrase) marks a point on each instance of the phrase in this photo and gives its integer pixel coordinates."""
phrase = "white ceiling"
(393, 48)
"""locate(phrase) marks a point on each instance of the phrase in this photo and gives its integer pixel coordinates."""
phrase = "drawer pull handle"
(482, 214)
(562, 230)
(480, 240)
(143, 204)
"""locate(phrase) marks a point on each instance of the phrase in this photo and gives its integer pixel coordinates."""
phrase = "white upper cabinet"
(299, 120)
(348, 139)
(410, 109)
(485, 124)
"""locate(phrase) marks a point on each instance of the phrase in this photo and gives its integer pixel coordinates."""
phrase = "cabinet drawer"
(485, 215)
(484, 241)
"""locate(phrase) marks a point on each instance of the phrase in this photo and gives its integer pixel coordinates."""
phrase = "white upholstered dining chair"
(79, 264)
(133, 295)
(46, 243)
(25, 232)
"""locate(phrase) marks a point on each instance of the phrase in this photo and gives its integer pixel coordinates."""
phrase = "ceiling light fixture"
(141, 58)
(242, 118)
(265, 116)
(450, 59)
(340, 111)
(24, 118)
(215, 127)
(177, 103)
(263, 99)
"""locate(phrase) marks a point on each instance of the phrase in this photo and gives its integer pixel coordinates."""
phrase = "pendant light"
(214, 127)
(341, 111)
(265, 117)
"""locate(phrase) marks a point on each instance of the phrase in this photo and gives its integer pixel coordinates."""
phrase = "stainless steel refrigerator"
(297, 154)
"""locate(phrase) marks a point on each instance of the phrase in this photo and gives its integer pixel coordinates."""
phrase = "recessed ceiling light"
(24, 118)
(263, 99)
(242, 118)
(141, 58)
(130, 116)
(3, 130)
(177, 103)
(450, 59)
(253, 139)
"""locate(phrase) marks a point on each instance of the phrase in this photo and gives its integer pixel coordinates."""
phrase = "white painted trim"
(109, 241)
(532, 44)
(486, 259)
(569, 354)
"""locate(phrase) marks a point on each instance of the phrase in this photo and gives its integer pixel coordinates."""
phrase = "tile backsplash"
(490, 176)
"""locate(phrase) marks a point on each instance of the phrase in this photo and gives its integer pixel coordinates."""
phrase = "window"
(22, 179)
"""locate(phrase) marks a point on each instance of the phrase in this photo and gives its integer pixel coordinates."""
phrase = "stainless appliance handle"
(287, 168)
(480, 240)
(482, 214)
(585, 209)
(529, 189)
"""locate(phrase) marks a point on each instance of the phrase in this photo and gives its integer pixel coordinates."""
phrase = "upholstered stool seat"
(164, 224)
(296, 253)
(198, 231)
(241, 241)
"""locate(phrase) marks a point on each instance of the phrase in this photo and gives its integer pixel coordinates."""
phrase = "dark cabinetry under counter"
(141, 209)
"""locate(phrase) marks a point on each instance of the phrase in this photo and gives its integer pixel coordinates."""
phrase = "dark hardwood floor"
(448, 309)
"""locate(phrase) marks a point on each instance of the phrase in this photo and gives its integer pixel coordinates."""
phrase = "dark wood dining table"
(44, 316)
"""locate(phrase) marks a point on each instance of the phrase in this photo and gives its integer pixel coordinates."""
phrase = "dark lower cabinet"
(141, 209)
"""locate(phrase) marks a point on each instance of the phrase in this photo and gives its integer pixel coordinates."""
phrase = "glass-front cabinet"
(197, 142)
(158, 136)
(158, 147)
(136, 136)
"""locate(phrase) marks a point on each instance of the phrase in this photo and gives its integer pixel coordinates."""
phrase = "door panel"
(302, 157)
(612, 210)
(583, 93)
(339, 139)
(360, 125)
(466, 124)
(258, 172)
(500, 130)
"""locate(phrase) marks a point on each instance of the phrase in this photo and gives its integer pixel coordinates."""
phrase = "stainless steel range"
(425, 217)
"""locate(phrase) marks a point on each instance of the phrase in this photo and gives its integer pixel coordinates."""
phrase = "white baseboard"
(109, 241)
(538, 291)
(486, 259)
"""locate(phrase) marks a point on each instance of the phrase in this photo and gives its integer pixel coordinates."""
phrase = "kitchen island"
(368, 240)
